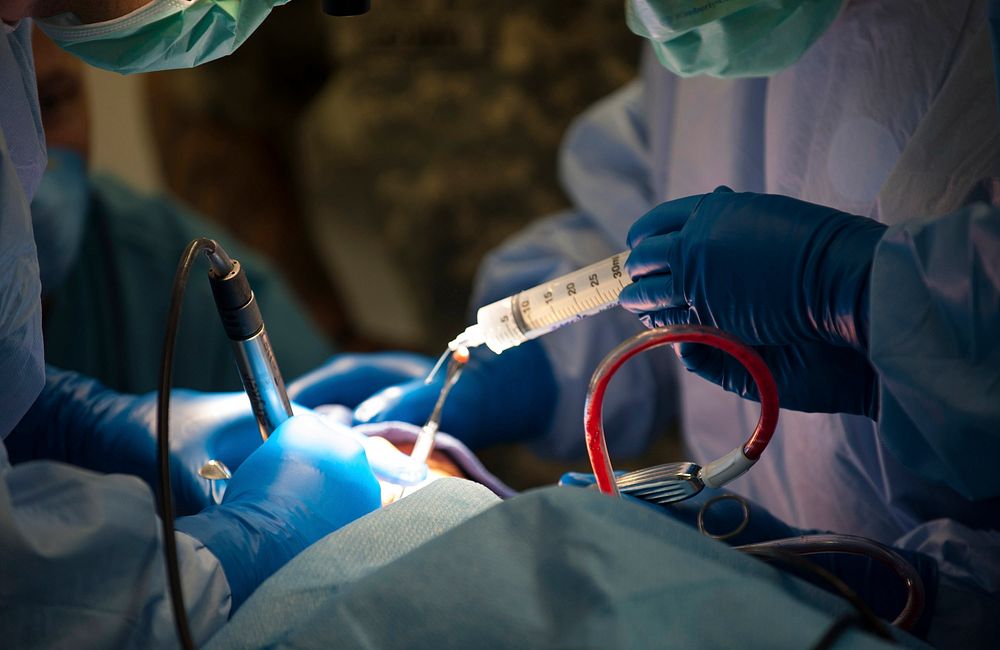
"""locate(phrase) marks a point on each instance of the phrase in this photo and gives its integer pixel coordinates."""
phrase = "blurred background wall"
(122, 133)
(374, 159)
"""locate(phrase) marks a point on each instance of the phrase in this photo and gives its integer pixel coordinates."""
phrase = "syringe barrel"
(553, 304)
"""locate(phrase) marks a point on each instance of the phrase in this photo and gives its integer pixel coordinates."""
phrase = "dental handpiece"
(244, 326)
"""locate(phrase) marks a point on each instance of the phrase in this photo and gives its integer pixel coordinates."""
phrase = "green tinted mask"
(730, 38)
(162, 34)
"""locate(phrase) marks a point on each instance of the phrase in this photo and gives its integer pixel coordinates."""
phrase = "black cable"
(803, 546)
(869, 620)
(165, 496)
(824, 544)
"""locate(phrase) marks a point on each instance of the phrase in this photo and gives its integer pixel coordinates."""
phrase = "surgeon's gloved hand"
(306, 481)
(498, 398)
(348, 379)
(78, 420)
(787, 277)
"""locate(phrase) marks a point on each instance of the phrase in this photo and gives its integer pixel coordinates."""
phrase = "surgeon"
(107, 256)
(817, 291)
(846, 109)
(82, 558)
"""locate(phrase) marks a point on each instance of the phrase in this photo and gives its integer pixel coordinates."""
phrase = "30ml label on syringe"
(571, 297)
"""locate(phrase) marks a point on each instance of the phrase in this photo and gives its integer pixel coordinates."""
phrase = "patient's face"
(439, 464)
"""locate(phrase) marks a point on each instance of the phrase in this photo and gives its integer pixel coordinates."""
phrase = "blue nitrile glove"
(388, 463)
(876, 584)
(787, 277)
(498, 398)
(78, 420)
(306, 481)
(348, 379)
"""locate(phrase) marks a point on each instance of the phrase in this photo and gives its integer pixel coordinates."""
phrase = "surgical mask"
(161, 34)
(730, 38)
(59, 215)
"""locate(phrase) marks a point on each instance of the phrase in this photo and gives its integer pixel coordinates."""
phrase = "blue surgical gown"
(448, 567)
(80, 556)
(865, 122)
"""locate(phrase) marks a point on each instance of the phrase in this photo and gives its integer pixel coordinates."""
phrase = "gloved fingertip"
(368, 410)
(664, 317)
(629, 297)
(645, 258)
(634, 237)
(648, 294)
(686, 350)
(411, 402)
(693, 356)
(636, 233)
(331, 413)
(576, 479)
(664, 218)
(390, 464)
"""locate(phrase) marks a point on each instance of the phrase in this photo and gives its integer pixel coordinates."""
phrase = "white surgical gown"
(891, 114)
(22, 160)
(80, 557)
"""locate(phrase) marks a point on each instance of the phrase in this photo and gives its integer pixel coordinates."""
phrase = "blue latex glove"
(348, 379)
(787, 277)
(306, 481)
(78, 420)
(498, 398)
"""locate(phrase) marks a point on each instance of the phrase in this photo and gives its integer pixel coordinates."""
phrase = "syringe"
(529, 314)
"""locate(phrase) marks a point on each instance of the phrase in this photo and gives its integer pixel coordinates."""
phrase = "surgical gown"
(865, 122)
(448, 567)
(80, 557)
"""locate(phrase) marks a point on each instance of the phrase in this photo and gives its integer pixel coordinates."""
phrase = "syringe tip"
(473, 336)
(460, 354)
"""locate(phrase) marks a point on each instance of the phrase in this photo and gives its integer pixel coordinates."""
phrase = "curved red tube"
(593, 423)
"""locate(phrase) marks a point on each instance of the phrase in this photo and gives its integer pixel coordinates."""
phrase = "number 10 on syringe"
(529, 314)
